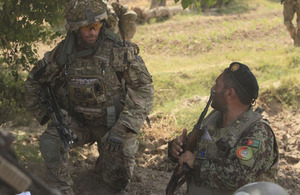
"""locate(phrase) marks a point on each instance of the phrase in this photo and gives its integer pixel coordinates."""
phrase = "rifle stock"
(177, 179)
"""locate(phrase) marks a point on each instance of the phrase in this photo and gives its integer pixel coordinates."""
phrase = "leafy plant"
(23, 23)
(186, 3)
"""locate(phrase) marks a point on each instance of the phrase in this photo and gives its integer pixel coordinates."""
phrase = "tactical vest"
(94, 84)
(217, 142)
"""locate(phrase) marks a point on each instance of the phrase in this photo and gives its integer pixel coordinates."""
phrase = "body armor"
(217, 142)
(93, 85)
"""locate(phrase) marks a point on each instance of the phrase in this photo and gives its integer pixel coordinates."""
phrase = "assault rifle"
(15, 175)
(48, 98)
(177, 179)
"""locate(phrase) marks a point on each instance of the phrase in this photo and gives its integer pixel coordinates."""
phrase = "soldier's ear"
(231, 93)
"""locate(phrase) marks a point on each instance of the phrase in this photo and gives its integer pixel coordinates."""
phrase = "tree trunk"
(157, 13)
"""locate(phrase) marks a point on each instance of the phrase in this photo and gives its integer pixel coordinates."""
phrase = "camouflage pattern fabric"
(251, 158)
(109, 89)
(205, 190)
(116, 15)
(117, 167)
(290, 8)
(76, 9)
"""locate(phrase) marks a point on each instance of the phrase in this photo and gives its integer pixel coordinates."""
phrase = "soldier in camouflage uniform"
(104, 88)
(290, 8)
(238, 146)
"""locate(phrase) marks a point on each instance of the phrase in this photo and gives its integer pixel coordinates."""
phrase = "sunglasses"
(96, 26)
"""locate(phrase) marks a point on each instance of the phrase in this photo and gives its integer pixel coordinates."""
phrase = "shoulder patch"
(244, 153)
(250, 142)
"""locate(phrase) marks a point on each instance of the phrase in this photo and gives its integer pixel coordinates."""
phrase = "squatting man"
(103, 88)
(238, 146)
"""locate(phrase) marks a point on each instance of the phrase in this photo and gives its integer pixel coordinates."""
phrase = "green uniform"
(102, 88)
(228, 158)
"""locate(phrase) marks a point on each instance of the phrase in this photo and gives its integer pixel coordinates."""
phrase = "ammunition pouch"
(121, 57)
(86, 91)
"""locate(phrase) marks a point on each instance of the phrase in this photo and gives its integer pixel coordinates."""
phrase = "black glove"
(114, 142)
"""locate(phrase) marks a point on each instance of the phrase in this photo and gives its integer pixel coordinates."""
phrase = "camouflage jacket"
(244, 152)
(110, 87)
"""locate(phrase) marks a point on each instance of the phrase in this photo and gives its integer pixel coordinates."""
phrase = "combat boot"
(297, 39)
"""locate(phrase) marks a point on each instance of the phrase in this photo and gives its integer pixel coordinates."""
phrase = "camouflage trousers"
(290, 8)
(116, 168)
(192, 189)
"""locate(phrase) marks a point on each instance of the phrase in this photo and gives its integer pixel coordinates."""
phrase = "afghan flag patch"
(244, 153)
(250, 142)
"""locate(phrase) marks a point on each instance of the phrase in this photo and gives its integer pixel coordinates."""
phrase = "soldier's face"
(219, 101)
(90, 33)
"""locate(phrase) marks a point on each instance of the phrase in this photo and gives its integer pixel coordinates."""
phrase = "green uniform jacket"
(244, 152)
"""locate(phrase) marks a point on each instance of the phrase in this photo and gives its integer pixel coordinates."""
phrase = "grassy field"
(186, 53)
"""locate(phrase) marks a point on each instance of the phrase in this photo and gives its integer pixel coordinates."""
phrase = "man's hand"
(115, 137)
(188, 158)
(177, 144)
(114, 142)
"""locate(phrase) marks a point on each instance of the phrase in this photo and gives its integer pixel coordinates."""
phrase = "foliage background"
(196, 47)
(184, 54)
(23, 24)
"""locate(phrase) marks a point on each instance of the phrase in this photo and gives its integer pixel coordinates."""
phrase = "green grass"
(185, 62)
(27, 152)
(186, 53)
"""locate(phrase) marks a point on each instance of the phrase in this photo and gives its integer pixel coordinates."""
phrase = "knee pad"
(50, 147)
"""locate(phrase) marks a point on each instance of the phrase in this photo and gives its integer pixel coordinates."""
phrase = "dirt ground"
(153, 169)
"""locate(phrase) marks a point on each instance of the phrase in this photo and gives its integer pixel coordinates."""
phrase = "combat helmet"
(261, 188)
(84, 12)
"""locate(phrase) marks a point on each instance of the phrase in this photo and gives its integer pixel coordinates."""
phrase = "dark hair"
(230, 83)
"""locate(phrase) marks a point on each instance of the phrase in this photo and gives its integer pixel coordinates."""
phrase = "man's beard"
(85, 45)
(219, 103)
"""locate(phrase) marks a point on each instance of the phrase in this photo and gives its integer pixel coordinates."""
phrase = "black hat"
(244, 78)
